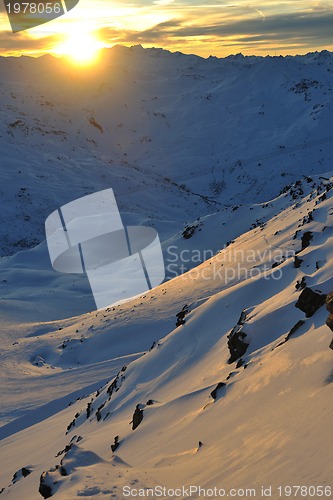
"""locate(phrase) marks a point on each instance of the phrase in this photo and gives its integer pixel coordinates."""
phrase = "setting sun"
(80, 47)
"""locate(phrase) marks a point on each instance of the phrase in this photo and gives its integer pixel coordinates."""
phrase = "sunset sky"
(211, 27)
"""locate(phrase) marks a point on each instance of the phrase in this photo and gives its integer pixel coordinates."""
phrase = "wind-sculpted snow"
(197, 405)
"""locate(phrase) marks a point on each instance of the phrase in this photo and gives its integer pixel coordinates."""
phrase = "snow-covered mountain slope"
(157, 126)
(271, 408)
(231, 160)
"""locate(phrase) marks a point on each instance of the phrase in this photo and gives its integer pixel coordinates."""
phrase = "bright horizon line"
(214, 27)
(105, 48)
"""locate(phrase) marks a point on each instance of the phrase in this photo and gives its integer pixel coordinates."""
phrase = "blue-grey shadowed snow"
(33, 417)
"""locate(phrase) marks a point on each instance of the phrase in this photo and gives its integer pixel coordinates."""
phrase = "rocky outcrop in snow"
(236, 343)
(310, 301)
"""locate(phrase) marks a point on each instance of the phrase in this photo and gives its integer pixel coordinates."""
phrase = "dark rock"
(62, 471)
(279, 345)
(137, 417)
(181, 315)
(240, 362)
(294, 329)
(236, 345)
(310, 301)
(297, 262)
(70, 425)
(89, 409)
(66, 449)
(180, 321)
(98, 412)
(24, 472)
(306, 238)
(291, 332)
(112, 387)
(189, 232)
(331, 344)
(115, 445)
(150, 402)
(301, 284)
(242, 318)
(217, 388)
(44, 489)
